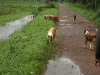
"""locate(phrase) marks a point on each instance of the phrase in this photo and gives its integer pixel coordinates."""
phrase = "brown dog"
(54, 18)
(51, 34)
(89, 37)
(74, 18)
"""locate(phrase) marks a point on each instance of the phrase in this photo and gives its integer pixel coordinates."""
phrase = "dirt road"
(71, 40)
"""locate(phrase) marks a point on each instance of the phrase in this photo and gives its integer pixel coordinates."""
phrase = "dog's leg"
(94, 45)
(94, 42)
(75, 21)
(90, 46)
(85, 44)
(96, 61)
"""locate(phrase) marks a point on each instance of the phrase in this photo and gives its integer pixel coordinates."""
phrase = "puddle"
(63, 20)
(61, 24)
(66, 24)
(64, 16)
(62, 66)
(9, 28)
(70, 26)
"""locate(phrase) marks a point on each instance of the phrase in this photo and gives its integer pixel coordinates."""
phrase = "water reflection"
(9, 28)
(62, 66)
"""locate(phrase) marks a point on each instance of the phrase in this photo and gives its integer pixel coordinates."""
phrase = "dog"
(74, 18)
(51, 34)
(47, 16)
(89, 37)
(54, 18)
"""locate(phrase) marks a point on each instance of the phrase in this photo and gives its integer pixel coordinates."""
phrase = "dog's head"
(86, 30)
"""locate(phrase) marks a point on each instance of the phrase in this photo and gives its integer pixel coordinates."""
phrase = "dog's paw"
(94, 48)
(90, 49)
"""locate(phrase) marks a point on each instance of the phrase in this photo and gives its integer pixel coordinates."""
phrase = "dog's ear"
(87, 29)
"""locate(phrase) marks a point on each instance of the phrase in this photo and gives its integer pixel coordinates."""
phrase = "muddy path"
(70, 38)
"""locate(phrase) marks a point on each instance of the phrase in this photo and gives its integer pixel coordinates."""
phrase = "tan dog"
(89, 37)
(47, 16)
(51, 34)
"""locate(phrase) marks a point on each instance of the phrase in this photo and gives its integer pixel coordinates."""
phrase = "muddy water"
(62, 66)
(9, 28)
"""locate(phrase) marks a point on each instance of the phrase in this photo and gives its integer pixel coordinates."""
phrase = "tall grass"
(26, 51)
(88, 13)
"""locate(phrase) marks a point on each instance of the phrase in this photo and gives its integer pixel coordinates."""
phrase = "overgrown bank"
(26, 51)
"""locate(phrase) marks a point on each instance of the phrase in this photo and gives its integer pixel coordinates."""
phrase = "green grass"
(26, 52)
(88, 13)
(12, 10)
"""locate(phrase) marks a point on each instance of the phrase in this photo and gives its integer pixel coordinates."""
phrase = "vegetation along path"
(70, 37)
